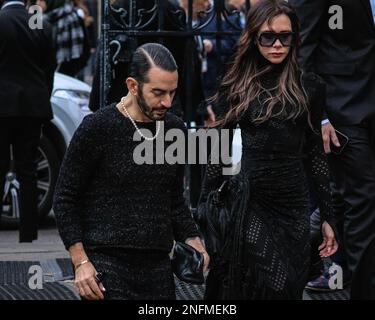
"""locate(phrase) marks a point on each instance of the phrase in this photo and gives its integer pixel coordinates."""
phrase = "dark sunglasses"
(268, 38)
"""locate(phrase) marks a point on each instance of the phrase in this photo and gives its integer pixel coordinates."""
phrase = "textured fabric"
(267, 256)
(103, 198)
(70, 35)
(134, 274)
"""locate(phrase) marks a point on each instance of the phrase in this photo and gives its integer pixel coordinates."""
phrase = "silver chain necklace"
(135, 125)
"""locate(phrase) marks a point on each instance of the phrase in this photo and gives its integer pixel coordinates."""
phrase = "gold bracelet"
(80, 264)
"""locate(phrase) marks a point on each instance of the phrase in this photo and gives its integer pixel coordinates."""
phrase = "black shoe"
(28, 238)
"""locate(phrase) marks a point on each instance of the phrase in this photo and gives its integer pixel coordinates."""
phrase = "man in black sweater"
(27, 65)
(115, 216)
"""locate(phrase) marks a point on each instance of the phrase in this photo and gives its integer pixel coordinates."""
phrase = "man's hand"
(329, 134)
(329, 245)
(208, 46)
(86, 283)
(196, 243)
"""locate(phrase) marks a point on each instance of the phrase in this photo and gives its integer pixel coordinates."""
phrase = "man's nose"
(167, 101)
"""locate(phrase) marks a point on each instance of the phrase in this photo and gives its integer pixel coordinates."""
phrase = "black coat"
(344, 58)
(27, 64)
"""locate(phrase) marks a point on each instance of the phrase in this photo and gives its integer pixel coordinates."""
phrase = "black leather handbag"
(214, 217)
(187, 263)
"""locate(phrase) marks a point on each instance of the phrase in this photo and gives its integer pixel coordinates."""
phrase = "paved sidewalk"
(58, 283)
(48, 246)
(49, 254)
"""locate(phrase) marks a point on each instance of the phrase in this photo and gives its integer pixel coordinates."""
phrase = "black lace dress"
(267, 255)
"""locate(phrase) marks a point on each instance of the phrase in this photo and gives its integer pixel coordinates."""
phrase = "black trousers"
(24, 135)
(354, 174)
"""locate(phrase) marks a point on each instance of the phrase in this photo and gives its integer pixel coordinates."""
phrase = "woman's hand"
(329, 245)
(86, 283)
(197, 244)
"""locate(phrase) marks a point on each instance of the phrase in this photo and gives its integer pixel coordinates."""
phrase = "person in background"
(217, 60)
(70, 35)
(87, 11)
(341, 49)
(27, 65)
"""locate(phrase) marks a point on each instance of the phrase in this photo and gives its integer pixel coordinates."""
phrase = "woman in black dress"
(278, 108)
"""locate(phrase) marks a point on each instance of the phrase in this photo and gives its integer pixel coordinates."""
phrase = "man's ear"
(132, 85)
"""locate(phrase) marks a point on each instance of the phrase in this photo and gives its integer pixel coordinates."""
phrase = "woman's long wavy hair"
(241, 84)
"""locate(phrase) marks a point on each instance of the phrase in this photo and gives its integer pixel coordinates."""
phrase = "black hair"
(151, 55)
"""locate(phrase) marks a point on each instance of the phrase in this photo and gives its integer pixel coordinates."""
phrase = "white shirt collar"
(12, 3)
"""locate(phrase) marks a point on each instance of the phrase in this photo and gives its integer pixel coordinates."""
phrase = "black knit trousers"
(134, 274)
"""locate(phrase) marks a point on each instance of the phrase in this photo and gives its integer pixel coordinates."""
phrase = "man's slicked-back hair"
(151, 55)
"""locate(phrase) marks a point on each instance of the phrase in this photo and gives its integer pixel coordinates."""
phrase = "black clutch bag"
(187, 263)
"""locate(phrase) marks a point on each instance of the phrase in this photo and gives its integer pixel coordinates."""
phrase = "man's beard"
(145, 108)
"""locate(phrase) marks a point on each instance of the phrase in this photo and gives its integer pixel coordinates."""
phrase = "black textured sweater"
(103, 198)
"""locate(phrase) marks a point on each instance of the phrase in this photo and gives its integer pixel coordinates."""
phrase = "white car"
(70, 98)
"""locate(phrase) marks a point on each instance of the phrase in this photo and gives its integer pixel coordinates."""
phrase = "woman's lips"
(277, 54)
